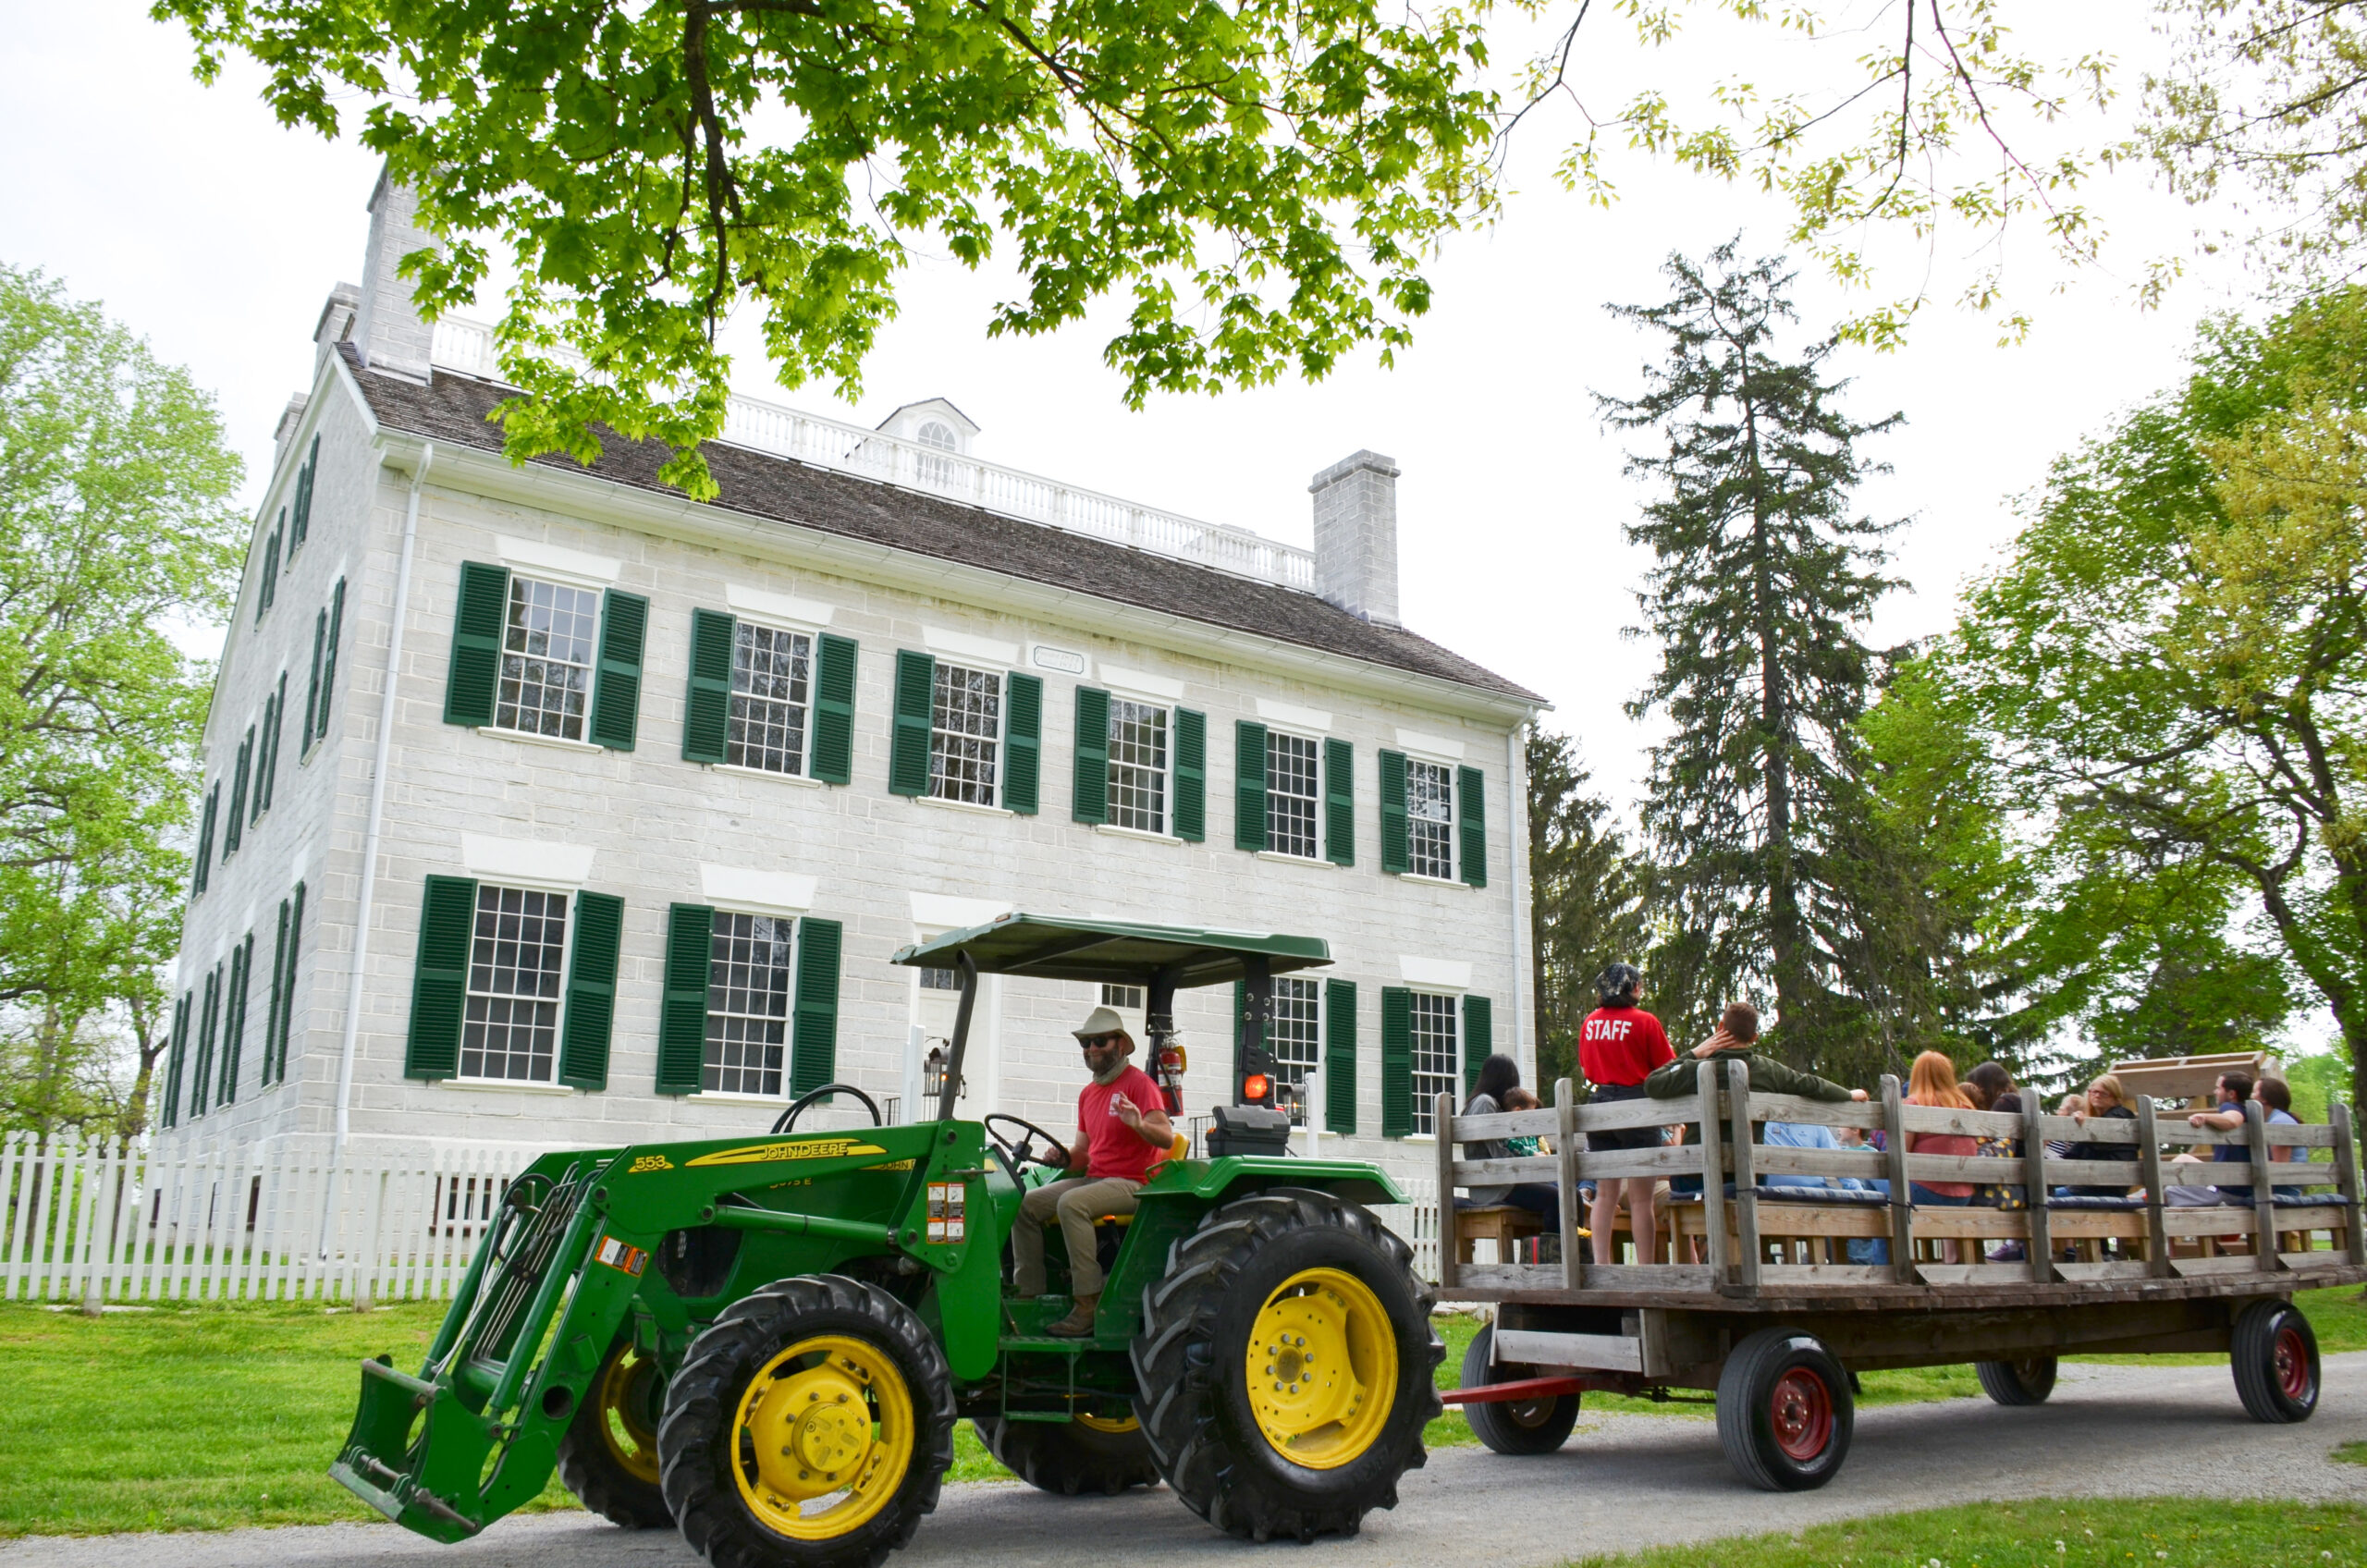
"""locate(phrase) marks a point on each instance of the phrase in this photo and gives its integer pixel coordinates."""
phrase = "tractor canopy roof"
(1116, 952)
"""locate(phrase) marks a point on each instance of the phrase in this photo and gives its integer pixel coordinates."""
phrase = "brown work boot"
(1079, 1322)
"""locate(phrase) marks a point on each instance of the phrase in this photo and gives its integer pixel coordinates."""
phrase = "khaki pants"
(1077, 1202)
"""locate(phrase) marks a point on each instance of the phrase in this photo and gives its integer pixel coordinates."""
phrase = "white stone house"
(543, 806)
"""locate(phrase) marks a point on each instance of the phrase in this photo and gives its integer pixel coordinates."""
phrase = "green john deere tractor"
(766, 1340)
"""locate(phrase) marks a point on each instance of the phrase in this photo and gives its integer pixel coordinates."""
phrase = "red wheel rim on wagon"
(1800, 1413)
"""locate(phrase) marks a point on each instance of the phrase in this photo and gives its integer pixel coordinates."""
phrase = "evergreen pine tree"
(1585, 900)
(1764, 584)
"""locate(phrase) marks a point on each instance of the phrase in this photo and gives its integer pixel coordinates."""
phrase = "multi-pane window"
(772, 673)
(1137, 765)
(965, 730)
(1434, 1053)
(1429, 819)
(940, 980)
(515, 964)
(1121, 996)
(1292, 1036)
(747, 1004)
(546, 658)
(1293, 791)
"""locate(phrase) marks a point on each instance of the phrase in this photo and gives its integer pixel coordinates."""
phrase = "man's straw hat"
(1102, 1020)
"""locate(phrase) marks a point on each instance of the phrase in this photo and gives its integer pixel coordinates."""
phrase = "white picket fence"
(93, 1225)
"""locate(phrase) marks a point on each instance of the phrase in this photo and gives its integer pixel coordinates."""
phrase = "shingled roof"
(452, 407)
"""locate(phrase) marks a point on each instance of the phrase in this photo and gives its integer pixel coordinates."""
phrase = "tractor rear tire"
(803, 1382)
(1069, 1457)
(609, 1455)
(2017, 1382)
(1259, 1431)
(1514, 1426)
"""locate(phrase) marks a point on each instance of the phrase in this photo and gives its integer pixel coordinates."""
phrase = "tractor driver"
(1121, 1135)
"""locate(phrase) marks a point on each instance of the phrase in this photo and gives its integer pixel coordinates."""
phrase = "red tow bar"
(1527, 1387)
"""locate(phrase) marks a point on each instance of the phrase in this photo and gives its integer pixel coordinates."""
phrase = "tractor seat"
(1176, 1150)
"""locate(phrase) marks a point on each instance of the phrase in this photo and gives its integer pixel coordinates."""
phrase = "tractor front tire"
(1086, 1456)
(1286, 1365)
(609, 1455)
(810, 1427)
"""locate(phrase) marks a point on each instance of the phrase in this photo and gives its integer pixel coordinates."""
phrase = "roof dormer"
(932, 422)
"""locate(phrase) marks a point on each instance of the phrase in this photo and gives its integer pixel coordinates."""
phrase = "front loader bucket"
(415, 1454)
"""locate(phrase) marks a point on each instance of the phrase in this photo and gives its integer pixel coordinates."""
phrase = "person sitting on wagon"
(1499, 1079)
(2276, 1100)
(2106, 1101)
(1737, 1039)
(2235, 1088)
(1121, 1133)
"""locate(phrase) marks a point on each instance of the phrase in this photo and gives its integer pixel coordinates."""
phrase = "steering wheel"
(1017, 1155)
(788, 1121)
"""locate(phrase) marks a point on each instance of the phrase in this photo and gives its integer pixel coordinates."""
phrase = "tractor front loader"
(765, 1341)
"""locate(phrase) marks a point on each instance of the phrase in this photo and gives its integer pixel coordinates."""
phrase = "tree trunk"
(1776, 720)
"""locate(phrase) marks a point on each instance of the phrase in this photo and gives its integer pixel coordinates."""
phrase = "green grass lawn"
(199, 1417)
(2053, 1533)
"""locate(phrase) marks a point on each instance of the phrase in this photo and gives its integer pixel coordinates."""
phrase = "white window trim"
(1140, 685)
(511, 1086)
(1313, 862)
(560, 742)
(783, 610)
(576, 568)
(1143, 833)
(1453, 826)
(787, 1064)
(1322, 812)
(1002, 739)
(812, 680)
(1429, 748)
(805, 780)
(1429, 881)
(1166, 774)
(971, 806)
(1440, 976)
(566, 966)
(1291, 717)
(960, 648)
(743, 891)
(739, 1097)
(537, 865)
(1455, 1011)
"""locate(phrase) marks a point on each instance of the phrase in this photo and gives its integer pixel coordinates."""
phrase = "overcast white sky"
(217, 234)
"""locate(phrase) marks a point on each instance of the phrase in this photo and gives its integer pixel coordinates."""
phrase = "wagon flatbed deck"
(1787, 1289)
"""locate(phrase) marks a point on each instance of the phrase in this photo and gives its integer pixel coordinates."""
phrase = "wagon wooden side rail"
(1782, 1223)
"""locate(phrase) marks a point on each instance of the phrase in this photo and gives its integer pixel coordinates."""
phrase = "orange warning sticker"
(620, 1255)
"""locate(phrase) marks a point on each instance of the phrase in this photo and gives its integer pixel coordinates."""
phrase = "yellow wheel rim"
(1322, 1368)
(621, 1404)
(1113, 1424)
(823, 1436)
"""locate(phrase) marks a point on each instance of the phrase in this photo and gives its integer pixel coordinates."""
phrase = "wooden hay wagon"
(1776, 1294)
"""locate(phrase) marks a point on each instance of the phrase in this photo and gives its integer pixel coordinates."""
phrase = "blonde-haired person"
(1933, 1082)
(2105, 1101)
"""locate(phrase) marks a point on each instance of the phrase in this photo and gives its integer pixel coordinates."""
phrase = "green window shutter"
(234, 823)
(1340, 1056)
(1393, 856)
(209, 1025)
(681, 1012)
(1022, 733)
(206, 836)
(908, 754)
(274, 1001)
(313, 690)
(1471, 801)
(834, 673)
(303, 522)
(439, 991)
(275, 721)
(707, 712)
(288, 999)
(234, 1022)
(1396, 1061)
(814, 1029)
(1089, 796)
(1191, 776)
(1248, 785)
(1479, 1038)
(268, 589)
(328, 661)
(259, 801)
(475, 670)
(590, 991)
(616, 682)
(1339, 802)
(169, 1112)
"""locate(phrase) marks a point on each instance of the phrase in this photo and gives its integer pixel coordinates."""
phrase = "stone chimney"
(387, 328)
(1355, 536)
(291, 420)
(338, 317)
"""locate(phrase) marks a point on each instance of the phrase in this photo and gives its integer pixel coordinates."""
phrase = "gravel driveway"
(1623, 1482)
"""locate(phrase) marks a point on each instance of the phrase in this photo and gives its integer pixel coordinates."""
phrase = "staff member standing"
(1618, 1047)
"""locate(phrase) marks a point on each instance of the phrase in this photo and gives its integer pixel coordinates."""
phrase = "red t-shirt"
(1621, 1044)
(1112, 1148)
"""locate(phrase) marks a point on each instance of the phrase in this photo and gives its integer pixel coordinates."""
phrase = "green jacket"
(1680, 1079)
